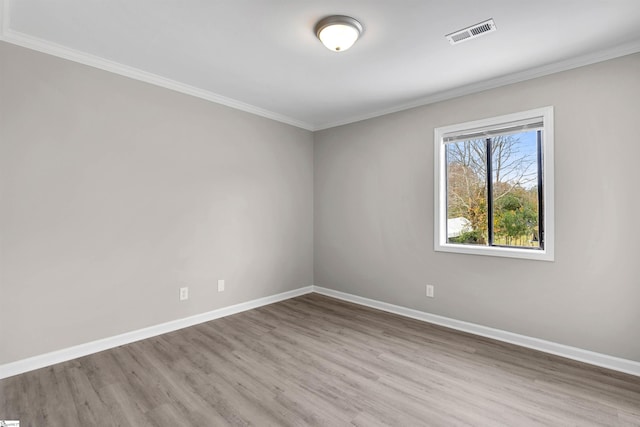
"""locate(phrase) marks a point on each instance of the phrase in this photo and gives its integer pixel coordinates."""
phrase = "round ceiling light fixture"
(338, 32)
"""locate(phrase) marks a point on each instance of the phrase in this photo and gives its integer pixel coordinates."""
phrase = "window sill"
(532, 254)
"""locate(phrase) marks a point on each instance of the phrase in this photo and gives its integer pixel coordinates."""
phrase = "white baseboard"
(581, 355)
(58, 356)
(586, 356)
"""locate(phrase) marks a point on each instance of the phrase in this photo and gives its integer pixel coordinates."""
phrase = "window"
(494, 186)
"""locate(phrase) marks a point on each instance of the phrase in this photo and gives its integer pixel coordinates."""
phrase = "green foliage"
(515, 208)
(516, 217)
(474, 237)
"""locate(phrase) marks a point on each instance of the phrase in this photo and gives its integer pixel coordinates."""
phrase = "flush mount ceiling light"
(338, 32)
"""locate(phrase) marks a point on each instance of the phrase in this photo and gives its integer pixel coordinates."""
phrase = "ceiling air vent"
(471, 32)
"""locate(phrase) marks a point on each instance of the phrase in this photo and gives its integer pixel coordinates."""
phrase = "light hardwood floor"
(314, 360)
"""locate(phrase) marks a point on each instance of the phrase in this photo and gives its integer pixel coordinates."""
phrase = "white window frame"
(440, 190)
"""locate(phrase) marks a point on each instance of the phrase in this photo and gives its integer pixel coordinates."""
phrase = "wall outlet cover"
(430, 291)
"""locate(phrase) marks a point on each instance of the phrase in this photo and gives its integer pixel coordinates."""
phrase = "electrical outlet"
(430, 289)
(184, 293)
(220, 285)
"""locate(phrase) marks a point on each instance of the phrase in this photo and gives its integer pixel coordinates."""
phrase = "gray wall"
(374, 214)
(114, 193)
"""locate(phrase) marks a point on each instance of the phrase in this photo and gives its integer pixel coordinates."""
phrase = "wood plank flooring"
(314, 360)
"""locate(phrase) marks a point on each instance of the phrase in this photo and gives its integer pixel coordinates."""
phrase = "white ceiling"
(262, 55)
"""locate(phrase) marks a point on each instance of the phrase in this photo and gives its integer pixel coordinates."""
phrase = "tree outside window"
(494, 186)
(511, 191)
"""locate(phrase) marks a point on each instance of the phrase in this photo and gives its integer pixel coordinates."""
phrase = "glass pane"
(515, 189)
(467, 192)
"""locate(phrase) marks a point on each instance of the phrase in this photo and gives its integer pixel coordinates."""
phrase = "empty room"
(323, 213)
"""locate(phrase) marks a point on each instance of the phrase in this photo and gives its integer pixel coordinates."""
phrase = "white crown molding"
(41, 45)
(59, 356)
(44, 46)
(545, 70)
(50, 48)
(598, 359)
